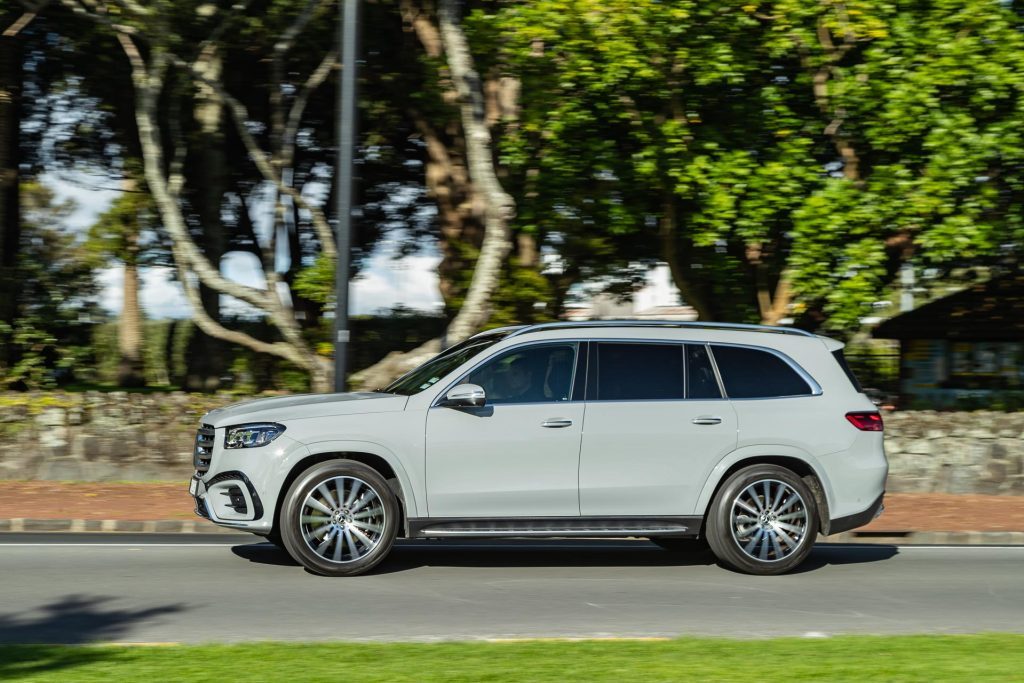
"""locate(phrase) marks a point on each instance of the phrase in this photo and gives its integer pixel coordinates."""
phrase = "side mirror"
(466, 396)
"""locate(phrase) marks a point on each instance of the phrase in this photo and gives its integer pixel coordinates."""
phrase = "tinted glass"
(700, 376)
(535, 374)
(636, 372)
(428, 374)
(749, 373)
(841, 359)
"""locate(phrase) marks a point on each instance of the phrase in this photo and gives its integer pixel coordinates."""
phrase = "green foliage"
(49, 340)
(824, 141)
(316, 282)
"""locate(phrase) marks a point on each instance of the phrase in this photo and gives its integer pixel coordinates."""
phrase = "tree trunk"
(130, 371)
(11, 78)
(207, 364)
(671, 256)
(496, 207)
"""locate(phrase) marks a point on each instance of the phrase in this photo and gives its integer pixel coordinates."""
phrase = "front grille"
(204, 448)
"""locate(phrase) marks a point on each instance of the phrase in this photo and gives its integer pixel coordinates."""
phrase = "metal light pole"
(348, 16)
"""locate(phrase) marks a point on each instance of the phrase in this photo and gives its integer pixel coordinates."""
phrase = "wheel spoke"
(789, 541)
(337, 548)
(314, 503)
(367, 498)
(369, 543)
(353, 552)
(790, 527)
(792, 499)
(792, 515)
(775, 543)
(746, 507)
(370, 512)
(313, 519)
(326, 493)
(353, 492)
(365, 526)
(326, 542)
(778, 496)
(749, 548)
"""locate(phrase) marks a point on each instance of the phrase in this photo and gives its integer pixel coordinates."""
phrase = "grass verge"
(995, 657)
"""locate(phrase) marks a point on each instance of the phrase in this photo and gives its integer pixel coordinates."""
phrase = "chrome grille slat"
(202, 454)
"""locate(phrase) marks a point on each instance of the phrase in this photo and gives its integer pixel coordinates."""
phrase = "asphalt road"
(84, 588)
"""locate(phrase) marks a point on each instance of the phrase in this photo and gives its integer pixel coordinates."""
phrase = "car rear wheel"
(339, 518)
(763, 520)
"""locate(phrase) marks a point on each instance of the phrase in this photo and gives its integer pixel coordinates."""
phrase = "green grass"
(848, 658)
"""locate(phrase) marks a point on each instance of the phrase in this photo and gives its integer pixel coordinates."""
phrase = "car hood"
(286, 408)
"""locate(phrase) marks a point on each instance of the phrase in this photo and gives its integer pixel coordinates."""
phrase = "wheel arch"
(792, 459)
(390, 470)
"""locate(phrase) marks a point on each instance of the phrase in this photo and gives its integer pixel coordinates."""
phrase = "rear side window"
(637, 372)
(841, 359)
(750, 373)
(700, 376)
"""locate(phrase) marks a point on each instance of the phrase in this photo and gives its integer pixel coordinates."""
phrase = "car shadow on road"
(414, 554)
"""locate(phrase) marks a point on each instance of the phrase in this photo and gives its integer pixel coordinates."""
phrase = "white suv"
(753, 438)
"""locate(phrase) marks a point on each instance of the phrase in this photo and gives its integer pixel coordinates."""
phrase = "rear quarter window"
(752, 373)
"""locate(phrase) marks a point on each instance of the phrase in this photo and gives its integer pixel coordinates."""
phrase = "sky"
(386, 281)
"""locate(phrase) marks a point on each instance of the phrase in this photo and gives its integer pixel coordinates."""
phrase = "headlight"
(252, 436)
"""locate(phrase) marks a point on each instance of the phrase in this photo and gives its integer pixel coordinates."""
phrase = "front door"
(518, 456)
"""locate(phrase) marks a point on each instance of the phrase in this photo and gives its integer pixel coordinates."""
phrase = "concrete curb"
(197, 526)
(159, 526)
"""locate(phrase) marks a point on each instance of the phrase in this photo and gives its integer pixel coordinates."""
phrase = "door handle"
(556, 422)
(706, 420)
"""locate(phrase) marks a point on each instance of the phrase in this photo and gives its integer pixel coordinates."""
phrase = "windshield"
(431, 372)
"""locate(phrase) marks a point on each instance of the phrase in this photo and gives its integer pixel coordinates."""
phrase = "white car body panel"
(617, 459)
(639, 457)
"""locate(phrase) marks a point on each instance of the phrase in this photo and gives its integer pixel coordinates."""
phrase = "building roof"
(988, 311)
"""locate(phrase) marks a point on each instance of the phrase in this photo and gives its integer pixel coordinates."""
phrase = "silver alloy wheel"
(342, 519)
(769, 520)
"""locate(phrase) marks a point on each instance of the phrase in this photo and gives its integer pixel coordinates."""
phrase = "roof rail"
(661, 323)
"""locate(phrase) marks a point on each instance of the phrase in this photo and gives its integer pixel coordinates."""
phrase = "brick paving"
(48, 500)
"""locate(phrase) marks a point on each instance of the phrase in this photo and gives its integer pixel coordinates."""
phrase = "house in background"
(968, 344)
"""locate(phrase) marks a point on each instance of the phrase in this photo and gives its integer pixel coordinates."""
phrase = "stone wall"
(148, 437)
(95, 436)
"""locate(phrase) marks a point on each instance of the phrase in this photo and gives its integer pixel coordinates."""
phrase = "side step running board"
(554, 527)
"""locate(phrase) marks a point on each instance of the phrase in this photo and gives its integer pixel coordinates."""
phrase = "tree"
(783, 158)
(126, 232)
(50, 335)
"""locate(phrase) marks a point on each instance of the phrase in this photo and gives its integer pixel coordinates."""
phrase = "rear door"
(655, 422)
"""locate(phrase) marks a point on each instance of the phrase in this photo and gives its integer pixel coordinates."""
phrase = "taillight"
(866, 422)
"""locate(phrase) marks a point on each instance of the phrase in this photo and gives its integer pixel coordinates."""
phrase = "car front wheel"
(763, 520)
(339, 518)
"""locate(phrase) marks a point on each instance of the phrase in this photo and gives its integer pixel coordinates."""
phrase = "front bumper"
(227, 498)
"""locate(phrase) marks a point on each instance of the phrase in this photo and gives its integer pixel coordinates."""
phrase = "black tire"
(680, 545)
(762, 537)
(275, 537)
(346, 530)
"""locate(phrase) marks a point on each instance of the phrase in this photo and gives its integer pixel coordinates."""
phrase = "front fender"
(413, 495)
(717, 472)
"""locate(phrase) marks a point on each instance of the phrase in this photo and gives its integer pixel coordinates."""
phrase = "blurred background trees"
(785, 159)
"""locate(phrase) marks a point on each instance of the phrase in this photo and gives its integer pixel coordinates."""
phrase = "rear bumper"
(841, 524)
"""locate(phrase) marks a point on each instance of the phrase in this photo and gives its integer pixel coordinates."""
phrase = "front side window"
(534, 374)
(431, 372)
(751, 373)
(639, 372)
